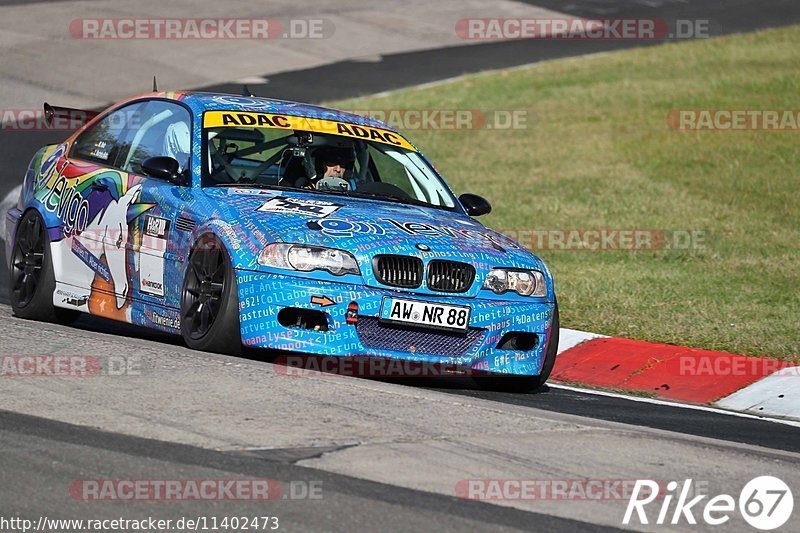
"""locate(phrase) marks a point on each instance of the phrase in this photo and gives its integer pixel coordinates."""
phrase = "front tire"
(32, 279)
(209, 300)
(501, 383)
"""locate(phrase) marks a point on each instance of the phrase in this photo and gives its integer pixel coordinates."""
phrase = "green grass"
(598, 154)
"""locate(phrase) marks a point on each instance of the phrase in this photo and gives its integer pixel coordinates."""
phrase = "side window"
(163, 129)
(103, 142)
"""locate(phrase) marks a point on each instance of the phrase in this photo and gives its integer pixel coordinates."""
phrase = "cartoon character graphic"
(96, 256)
(111, 227)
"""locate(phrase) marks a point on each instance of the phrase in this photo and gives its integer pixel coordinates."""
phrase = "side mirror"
(164, 168)
(475, 205)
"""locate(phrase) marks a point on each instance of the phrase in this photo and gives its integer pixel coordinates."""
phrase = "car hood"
(366, 228)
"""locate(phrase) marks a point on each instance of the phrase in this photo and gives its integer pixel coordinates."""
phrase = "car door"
(94, 195)
(155, 243)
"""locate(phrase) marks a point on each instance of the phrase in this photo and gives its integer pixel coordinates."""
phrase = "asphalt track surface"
(41, 454)
(349, 79)
(42, 457)
(716, 423)
(687, 421)
(349, 504)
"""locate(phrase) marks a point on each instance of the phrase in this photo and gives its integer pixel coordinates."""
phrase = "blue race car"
(244, 221)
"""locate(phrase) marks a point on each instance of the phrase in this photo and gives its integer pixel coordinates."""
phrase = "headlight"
(523, 282)
(307, 258)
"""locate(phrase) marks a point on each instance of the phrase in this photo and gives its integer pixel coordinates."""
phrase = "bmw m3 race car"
(244, 221)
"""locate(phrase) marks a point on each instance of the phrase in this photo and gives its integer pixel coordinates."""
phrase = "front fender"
(47, 155)
(243, 247)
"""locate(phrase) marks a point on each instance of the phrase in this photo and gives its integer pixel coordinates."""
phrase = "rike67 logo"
(766, 503)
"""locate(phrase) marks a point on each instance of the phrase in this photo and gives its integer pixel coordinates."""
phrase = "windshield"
(321, 162)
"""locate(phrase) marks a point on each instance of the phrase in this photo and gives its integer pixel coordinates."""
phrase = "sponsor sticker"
(150, 286)
(218, 119)
(72, 298)
(297, 206)
(156, 227)
(151, 262)
(255, 192)
(90, 260)
(165, 320)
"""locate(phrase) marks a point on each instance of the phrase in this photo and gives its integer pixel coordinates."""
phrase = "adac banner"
(221, 119)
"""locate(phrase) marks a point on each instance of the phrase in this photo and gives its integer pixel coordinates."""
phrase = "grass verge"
(598, 154)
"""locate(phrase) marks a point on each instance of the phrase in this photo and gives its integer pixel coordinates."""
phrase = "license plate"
(441, 316)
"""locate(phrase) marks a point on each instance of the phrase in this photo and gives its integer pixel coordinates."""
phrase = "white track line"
(673, 404)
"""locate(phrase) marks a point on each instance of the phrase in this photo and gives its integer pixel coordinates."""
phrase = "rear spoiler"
(74, 117)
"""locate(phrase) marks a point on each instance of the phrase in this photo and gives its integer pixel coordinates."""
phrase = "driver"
(332, 166)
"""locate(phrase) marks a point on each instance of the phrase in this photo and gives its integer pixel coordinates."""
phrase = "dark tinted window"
(102, 143)
(163, 129)
(129, 135)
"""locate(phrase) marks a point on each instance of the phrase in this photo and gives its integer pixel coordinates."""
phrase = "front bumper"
(263, 295)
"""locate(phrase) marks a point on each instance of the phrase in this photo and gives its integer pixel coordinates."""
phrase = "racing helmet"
(328, 156)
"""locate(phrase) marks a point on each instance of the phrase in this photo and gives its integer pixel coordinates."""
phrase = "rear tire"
(501, 383)
(32, 279)
(210, 300)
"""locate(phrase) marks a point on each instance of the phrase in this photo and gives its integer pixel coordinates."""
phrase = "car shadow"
(4, 281)
(418, 375)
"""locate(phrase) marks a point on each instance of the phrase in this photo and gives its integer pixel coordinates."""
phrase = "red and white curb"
(759, 386)
(569, 338)
(776, 395)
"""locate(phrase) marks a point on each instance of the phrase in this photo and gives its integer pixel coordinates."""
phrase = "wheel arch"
(228, 319)
(38, 208)
(240, 254)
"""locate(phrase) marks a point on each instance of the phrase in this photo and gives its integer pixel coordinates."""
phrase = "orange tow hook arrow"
(322, 301)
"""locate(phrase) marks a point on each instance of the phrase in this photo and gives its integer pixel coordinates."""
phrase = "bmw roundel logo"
(423, 247)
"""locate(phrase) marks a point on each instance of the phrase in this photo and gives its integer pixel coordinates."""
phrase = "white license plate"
(453, 317)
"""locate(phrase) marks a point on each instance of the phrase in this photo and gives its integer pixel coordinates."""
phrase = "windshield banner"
(220, 119)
